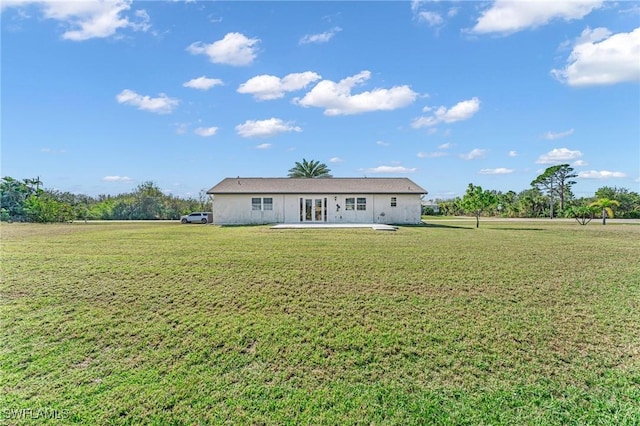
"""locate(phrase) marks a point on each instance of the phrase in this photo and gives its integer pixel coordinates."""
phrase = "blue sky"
(98, 97)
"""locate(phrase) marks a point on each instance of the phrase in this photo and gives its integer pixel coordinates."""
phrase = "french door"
(313, 209)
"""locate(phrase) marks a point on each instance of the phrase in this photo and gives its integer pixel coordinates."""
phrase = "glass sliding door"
(308, 204)
(318, 210)
(313, 209)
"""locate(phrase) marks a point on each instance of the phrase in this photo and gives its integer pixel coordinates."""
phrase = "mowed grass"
(157, 323)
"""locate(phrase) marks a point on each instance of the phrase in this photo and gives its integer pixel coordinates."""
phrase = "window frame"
(261, 204)
(361, 204)
(350, 204)
(267, 206)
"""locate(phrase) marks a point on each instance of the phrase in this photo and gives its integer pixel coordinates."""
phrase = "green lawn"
(512, 323)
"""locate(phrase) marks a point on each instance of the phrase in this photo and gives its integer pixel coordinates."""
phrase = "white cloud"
(632, 10)
(558, 135)
(473, 154)
(602, 174)
(53, 151)
(508, 16)
(336, 98)
(580, 163)
(265, 128)
(206, 131)
(336, 160)
(383, 143)
(203, 83)
(267, 87)
(498, 171)
(234, 49)
(599, 58)
(432, 154)
(461, 111)
(391, 169)
(144, 20)
(513, 153)
(445, 145)
(85, 20)
(431, 18)
(558, 155)
(161, 105)
(181, 128)
(263, 146)
(117, 179)
(320, 38)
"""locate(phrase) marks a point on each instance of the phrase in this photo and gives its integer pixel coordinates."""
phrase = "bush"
(428, 211)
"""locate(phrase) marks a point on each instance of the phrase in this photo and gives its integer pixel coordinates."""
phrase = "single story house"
(239, 200)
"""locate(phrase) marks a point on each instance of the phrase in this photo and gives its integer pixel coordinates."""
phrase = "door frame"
(313, 208)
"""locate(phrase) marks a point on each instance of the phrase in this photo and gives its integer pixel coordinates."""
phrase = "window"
(394, 201)
(262, 203)
(350, 204)
(362, 203)
(267, 204)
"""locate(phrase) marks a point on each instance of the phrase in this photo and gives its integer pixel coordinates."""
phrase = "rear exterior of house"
(247, 201)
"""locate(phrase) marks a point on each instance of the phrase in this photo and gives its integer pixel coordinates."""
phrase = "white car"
(197, 217)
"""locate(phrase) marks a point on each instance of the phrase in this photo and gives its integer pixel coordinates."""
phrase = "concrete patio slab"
(374, 226)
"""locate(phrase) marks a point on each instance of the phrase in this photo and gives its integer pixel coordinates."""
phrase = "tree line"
(26, 201)
(550, 195)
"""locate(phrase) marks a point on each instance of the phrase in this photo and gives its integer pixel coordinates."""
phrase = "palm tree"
(582, 214)
(606, 205)
(311, 169)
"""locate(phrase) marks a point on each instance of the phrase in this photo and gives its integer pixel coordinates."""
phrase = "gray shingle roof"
(317, 186)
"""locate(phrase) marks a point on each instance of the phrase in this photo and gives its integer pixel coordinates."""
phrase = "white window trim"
(360, 204)
(261, 205)
(350, 207)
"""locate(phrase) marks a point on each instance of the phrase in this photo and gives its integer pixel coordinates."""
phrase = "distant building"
(431, 204)
(328, 200)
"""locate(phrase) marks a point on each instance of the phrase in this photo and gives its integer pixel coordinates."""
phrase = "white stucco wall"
(237, 209)
(408, 209)
(232, 209)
